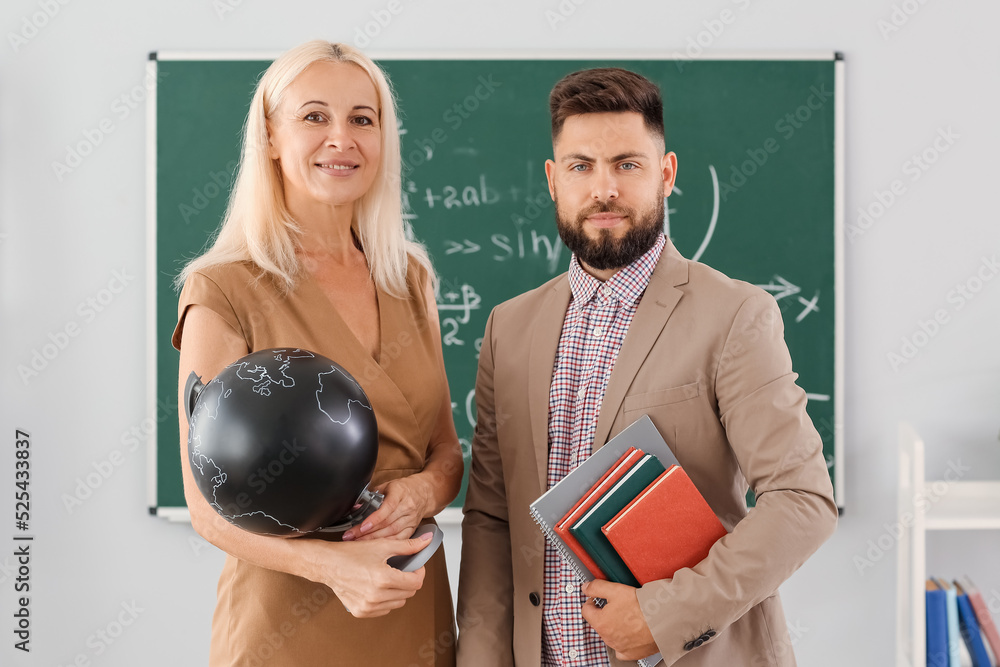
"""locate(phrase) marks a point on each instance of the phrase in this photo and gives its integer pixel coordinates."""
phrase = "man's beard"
(607, 252)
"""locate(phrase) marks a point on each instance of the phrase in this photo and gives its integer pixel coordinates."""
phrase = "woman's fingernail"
(426, 537)
(365, 527)
(348, 537)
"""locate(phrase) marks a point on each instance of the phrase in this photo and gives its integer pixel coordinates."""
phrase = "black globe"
(282, 442)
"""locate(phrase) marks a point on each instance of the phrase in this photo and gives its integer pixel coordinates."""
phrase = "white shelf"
(966, 506)
(929, 505)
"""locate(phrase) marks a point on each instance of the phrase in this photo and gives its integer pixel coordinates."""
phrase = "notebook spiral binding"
(551, 536)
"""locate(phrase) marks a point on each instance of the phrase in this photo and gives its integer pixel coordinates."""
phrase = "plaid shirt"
(596, 322)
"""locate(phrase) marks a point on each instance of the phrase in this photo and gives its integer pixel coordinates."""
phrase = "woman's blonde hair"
(257, 225)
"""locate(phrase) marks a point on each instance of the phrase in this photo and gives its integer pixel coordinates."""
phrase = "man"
(633, 328)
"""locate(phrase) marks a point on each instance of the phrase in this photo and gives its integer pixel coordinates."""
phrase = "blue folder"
(936, 604)
(970, 632)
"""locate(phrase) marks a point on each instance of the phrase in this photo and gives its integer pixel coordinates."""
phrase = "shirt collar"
(627, 285)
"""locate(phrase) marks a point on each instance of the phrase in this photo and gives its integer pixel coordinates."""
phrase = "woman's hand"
(364, 583)
(406, 504)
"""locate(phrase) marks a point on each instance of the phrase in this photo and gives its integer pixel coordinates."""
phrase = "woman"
(312, 253)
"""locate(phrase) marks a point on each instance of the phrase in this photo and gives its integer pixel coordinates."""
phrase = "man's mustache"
(605, 207)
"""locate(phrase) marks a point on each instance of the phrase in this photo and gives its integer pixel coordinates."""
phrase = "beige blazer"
(705, 358)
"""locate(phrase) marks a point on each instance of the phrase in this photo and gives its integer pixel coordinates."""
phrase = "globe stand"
(192, 390)
(411, 562)
(368, 502)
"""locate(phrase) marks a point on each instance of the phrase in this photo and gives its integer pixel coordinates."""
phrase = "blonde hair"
(257, 225)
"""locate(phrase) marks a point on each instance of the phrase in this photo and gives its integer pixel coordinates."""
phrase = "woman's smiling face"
(326, 137)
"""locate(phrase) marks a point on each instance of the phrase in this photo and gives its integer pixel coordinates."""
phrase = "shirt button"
(582, 392)
(606, 290)
(598, 332)
(573, 653)
(570, 588)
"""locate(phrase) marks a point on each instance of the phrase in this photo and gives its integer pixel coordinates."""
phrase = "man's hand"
(620, 623)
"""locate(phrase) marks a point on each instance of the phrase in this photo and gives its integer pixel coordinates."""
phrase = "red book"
(614, 473)
(666, 527)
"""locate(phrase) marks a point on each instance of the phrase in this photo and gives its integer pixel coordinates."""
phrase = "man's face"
(608, 180)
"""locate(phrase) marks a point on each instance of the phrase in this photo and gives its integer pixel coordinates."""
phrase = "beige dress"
(264, 617)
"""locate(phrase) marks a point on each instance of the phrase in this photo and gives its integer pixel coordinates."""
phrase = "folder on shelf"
(969, 627)
(937, 625)
(954, 636)
(667, 527)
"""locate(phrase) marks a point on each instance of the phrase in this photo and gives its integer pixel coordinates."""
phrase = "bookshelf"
(929, 505)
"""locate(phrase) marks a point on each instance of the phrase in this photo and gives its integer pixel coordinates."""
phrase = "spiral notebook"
(555, 503)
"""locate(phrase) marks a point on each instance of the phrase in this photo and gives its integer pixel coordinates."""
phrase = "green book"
(588, 529)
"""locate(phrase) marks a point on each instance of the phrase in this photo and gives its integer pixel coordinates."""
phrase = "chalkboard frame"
(154, 402)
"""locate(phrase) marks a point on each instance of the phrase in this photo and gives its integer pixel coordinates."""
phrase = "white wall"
(62, 240)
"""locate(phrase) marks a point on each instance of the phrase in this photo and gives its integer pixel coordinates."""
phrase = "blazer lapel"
(658, 302)
(541, 361)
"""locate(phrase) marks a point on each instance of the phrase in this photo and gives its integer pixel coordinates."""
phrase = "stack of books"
(960, 629)
(629, 514)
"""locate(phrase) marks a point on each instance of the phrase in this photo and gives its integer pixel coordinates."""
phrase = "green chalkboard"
(757, 196)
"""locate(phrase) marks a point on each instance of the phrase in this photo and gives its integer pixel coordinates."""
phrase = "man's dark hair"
(606, 89)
